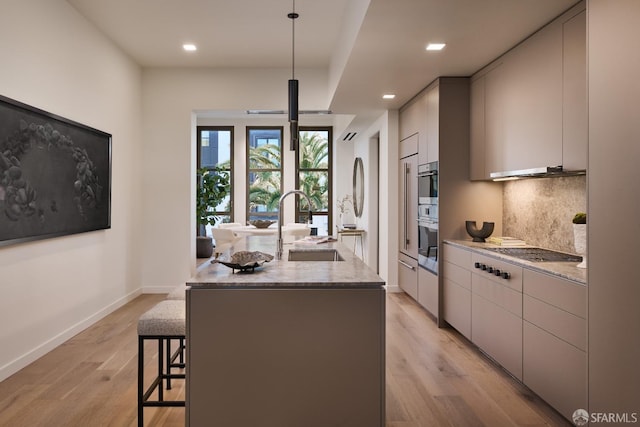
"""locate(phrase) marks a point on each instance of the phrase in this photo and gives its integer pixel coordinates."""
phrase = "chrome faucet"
(281, 219)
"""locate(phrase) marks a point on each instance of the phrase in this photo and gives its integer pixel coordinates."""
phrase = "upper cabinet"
(412, 117)
(574, 92)
(420, 118)
(528, 108)
(429, 151)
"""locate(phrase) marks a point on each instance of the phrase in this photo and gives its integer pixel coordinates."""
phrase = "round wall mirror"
(358, 186)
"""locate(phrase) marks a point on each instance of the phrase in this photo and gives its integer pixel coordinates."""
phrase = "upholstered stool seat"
(163, 323)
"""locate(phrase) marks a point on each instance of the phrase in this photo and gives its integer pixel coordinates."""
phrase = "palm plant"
(314, 160)
(265, 188)
(314, 152)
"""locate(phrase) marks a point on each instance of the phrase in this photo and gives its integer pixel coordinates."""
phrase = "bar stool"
(178, 293)
(163, 323)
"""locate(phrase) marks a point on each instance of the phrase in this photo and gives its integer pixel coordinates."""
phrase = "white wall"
(51, 289)
(172, 99)
(385, 129)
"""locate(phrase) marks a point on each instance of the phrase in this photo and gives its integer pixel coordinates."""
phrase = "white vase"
(580, 242)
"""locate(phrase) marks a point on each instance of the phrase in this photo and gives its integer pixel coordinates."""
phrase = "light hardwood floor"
(434, 378)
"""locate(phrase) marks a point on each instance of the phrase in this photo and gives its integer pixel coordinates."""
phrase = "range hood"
(542, 172)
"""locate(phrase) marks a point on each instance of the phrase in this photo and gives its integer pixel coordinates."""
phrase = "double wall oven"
(428, 216)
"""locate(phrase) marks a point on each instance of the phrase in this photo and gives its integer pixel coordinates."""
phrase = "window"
(313, 176)
(264, 183)
(215, 150)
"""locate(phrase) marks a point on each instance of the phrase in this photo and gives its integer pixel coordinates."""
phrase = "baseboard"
(14, 366)
(158, 289)
(393, 289)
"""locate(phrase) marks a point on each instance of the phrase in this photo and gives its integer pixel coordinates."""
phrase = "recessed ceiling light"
(189, 47)
(388, 96)
(435, 46)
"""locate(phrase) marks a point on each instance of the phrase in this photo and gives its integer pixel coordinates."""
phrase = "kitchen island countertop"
(566, 270)
(352, 272)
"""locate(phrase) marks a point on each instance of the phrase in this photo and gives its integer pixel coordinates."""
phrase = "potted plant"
(213, 187)
(580, 237)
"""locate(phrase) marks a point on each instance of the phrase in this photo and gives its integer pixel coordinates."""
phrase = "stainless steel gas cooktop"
(537, 254)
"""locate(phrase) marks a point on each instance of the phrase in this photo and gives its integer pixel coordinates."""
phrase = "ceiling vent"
(349, 136)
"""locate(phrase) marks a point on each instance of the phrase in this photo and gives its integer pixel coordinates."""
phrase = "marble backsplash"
(540, 210)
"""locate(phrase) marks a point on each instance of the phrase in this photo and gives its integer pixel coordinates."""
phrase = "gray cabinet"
(477, 129)
(408, 275)
(429, 151)
(408, 207)
(420, 118)
(428, 291)
(496, 312)
(533, 324)
(528, 108)
(285, 357)
(456, 299)
(555, 340)
(412, 118)
(574, 92)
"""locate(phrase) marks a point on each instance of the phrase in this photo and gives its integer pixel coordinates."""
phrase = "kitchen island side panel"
(276, 357)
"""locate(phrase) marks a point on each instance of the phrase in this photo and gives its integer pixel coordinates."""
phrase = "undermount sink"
(314, 255)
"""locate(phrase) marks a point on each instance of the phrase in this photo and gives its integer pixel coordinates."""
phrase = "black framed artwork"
(55, 175)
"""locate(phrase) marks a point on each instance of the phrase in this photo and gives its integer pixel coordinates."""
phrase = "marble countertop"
(567, 270)
(350, 273)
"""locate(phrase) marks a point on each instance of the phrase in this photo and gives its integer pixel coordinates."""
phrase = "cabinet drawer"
(498, 333)
(562, 324)
(428, 291)
(456, 307)
(498, 293)
(409, 146)
(408, 275)
(457, 256)
(555, 370)
(515, 272)
(564, 294)
(457, 274)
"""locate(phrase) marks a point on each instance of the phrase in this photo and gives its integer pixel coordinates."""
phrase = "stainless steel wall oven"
(428, 216)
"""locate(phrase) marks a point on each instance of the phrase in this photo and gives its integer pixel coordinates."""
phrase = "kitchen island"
(293, 343)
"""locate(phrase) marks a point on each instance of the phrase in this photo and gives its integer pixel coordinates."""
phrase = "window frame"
(199, 130)
(250, 170)
(329, 170)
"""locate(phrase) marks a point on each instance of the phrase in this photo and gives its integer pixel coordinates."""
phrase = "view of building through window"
(215, 150)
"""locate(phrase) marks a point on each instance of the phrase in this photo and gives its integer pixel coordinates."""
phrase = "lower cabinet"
(408, 275)
(456, 299)
(533, 324)
(428, 291)
(554, 340)
(496, 312)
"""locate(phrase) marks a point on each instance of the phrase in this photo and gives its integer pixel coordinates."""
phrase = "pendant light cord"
(293, 16)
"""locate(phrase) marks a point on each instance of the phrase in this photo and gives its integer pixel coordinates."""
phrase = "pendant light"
(293, 84)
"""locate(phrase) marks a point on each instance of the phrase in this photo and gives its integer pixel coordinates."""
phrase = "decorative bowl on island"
(245, 260)
(261, 223)
(481, 234)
